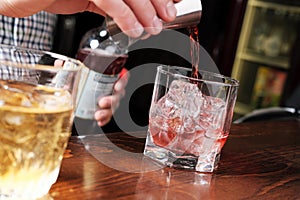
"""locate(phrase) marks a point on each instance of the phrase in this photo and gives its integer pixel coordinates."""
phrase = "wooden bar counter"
(261, 160)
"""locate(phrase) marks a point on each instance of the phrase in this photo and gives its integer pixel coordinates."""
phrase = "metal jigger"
(188, 14)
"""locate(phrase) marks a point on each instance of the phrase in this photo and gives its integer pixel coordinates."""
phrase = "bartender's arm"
(132, 16)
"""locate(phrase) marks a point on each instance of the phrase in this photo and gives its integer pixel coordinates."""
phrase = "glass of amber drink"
(37, 99)
(189, 118)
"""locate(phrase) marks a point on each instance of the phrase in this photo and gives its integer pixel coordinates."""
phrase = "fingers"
(59, 63)
(120, 85)
(165, 9)
(146, 14)
(151, 12)
(107, 107)
(103, 116)
(108, 104)
(133, 16)
(122, 15)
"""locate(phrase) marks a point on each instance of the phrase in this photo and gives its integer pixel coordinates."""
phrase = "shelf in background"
(252, 56)
(274, 6)
(267, 43)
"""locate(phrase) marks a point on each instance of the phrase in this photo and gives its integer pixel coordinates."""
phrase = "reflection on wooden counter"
(261, 160)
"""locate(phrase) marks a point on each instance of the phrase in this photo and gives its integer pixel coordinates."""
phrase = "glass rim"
(233, 82)
(38, 66)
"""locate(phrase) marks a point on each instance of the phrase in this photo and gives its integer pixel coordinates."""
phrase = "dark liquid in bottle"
(100, 61)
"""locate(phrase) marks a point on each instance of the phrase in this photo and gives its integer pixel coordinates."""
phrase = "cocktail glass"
(190, 118)
(37, 99)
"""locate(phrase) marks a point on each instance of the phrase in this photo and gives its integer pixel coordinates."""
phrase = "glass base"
(31, 188)
(204, 163)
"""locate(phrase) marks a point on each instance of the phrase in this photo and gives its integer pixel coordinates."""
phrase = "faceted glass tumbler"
(190, 118)
(37, 100)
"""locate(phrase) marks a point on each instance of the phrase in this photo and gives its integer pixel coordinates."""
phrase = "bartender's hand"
(109, 104)
(132, 16)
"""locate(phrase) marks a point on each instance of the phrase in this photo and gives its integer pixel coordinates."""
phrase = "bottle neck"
(100, 39)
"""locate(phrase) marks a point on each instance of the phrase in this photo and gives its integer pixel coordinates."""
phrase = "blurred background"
(254, 41)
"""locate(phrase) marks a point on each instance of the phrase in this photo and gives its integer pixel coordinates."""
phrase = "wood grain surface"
(261, 160)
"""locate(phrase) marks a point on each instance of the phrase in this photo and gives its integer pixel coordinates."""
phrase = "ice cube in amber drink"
(35, 124)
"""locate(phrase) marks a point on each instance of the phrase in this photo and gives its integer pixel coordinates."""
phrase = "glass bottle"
(104, 51)
(104, 60)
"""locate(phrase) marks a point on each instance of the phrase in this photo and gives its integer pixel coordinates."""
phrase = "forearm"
(132, 16)
(23, 8)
